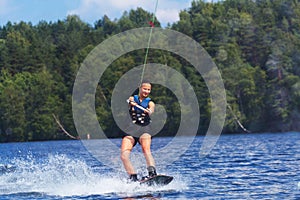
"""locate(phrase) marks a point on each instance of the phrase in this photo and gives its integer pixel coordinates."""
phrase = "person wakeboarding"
(140, 108)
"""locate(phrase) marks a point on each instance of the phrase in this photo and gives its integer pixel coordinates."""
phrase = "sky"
(89, 11)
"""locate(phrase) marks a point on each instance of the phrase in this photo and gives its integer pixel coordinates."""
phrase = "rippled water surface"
(241, 166)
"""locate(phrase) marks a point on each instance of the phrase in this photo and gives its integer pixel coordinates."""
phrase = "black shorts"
(136, 139)
(136, 131)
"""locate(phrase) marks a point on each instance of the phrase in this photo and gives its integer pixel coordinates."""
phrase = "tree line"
(255, 44)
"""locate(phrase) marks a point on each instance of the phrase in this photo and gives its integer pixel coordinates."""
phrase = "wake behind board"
(158, 180)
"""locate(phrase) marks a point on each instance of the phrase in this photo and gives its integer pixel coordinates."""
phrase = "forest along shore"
(255, 44)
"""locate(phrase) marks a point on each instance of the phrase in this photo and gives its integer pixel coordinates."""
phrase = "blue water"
(241, 166)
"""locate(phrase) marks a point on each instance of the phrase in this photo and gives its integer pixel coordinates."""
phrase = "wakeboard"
(158, 180)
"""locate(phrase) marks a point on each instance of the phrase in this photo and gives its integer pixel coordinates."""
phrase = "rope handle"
(140, 107)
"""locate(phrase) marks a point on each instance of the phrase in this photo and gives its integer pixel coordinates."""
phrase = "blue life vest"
(138, 116)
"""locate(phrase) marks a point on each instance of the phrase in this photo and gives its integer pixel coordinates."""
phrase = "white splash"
(59, 175)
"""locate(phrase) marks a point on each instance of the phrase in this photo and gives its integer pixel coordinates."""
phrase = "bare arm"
(151, 107)
(149, 110)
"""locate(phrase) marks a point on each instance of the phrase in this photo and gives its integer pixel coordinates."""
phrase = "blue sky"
(88, 10)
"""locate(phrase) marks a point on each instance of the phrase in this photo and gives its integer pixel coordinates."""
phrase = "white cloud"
(167, 15)
(168, 10)
(8, 11)
(131, 4)
(4, 7)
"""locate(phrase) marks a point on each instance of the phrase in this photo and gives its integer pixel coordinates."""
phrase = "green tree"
(12, 108)
(18, 52)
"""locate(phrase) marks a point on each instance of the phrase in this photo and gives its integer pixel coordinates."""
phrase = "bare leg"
(126, 147)
(145, 141)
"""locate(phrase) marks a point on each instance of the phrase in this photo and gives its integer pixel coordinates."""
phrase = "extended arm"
(148, 110)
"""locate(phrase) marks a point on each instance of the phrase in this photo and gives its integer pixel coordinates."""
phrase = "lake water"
(240, 166)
